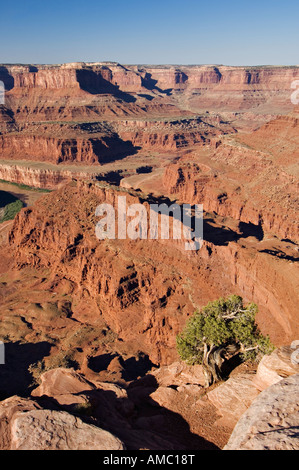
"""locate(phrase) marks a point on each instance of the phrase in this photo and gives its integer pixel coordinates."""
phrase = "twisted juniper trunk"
(213, 359)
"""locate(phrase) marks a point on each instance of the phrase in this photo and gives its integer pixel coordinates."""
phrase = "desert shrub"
(221, 330)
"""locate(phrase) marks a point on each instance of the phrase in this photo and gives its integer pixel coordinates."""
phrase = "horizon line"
(144, 64)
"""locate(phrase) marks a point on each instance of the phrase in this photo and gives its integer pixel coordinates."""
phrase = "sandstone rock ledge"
(272, 420)
(25, 426)
(167, 409)
(58, 430)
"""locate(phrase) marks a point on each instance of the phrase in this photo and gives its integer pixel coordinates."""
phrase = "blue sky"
(227, 32)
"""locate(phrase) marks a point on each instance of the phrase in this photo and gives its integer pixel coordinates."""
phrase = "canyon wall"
(228, 88)
(170, 134)
(226, 197)
(250, 177)
(217, 87)
(43, 178)
(58, 150)
(147, 106)
(146, 289)
(95, 78)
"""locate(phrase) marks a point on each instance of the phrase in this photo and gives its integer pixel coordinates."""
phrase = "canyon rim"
(149, 232)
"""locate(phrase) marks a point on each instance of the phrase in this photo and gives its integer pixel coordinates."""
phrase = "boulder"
(58, 430)
(272, 420)
(275, 367)
(8, 408)
(179, 374)
(233, 397)
(24, 425)
(60, 381)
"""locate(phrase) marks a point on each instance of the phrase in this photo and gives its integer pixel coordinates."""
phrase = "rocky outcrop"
(38, 177)
(81, 93)
(65, 399)
(236, 407)
(254, 185)
(101, 77)
(226, 88)
(279, 138)
(179, 374)
(26, 426)
(57, 430)
(272, 369)
(171, 134)
(103, 142)
(271, 422)
(97, 78)
(69, 411)
(126, 287)
(130, 282)
(76, 92)
(58, 383)
(53, 150)
(266, 280)
(8, 409)
(233, 398)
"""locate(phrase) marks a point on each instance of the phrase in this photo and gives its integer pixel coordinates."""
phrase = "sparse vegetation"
(84, 409)
(26, 187)
(220, 333)
(60, 360)
(11, 210)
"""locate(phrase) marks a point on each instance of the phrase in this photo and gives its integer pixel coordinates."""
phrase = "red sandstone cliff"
(171, 134)
(145, 289)
(84, 93)
(228, 88)
(205, 87)
(254, 184)
(45, 178)
(57, 150)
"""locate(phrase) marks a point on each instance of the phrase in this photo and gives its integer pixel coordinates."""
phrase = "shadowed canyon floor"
(106, 313)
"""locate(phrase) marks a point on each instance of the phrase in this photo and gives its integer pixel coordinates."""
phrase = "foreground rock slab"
(58, 430)
(8, 409)
(272, 420)
(274, 368)
(233, 397)
(25, 426)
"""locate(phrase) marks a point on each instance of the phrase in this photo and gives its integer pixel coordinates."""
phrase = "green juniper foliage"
(221, 323)
(11, 210)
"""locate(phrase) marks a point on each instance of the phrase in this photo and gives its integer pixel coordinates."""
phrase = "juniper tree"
(222, 330)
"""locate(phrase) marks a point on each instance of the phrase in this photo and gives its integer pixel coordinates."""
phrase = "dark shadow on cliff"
(213, 232)
(15, 378)
(281, 255)
(21, 196)
(144, 169)
(100, 363)
(111, 177)
(94, 83)
(128, 369)
(113, 148)
(251, 230)
(6, 198)
(136, 367)
(138, 421)
(147, 97)
(150, 84)
(6, 78)
(221, 235)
